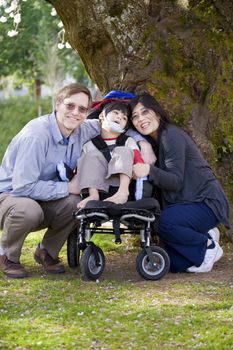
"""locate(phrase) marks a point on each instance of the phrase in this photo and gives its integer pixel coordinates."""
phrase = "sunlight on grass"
(64, 312)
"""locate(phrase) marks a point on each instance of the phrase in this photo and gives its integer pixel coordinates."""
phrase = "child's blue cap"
(119, 94)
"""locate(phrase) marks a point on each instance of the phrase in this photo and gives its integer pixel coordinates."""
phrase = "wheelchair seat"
(115, 209)
(143, 209)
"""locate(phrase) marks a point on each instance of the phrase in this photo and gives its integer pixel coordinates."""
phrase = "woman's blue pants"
(183, 228)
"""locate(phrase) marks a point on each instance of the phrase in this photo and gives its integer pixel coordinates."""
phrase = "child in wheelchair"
(104, 175)
(105, 166)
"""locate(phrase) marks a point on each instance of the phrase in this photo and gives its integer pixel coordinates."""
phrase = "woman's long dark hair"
(150, 102)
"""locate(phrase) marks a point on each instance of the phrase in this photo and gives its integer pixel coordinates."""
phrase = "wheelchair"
(134, 217)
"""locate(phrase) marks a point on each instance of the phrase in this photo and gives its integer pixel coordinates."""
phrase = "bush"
(15, 113)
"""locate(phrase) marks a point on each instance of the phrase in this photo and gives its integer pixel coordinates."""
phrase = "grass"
(65, 312)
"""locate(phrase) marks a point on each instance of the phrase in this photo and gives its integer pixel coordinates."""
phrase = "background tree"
(33, 56)
(180, 51)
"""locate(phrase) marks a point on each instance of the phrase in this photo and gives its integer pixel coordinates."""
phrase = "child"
(105, 166)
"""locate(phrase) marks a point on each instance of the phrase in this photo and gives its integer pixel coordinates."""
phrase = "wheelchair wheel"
(73, 250)
(89, 268)
(156, 271)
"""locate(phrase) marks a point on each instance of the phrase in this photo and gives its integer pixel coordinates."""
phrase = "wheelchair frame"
(152, 262)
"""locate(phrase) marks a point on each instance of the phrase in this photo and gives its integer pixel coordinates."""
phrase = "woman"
(192, 200)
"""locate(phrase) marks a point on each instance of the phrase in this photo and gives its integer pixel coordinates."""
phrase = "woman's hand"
(147, 152)
(141, 170)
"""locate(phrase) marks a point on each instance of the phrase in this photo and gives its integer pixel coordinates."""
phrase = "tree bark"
(180, 51)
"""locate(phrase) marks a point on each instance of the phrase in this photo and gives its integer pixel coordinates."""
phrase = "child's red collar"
(110, 138)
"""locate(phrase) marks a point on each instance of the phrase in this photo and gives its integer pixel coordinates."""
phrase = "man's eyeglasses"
(71, 107)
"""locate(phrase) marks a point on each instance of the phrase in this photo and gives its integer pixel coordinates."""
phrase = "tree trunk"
(38, 86)
(180, 51)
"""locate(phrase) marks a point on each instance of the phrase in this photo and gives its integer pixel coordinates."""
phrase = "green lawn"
(64, 312)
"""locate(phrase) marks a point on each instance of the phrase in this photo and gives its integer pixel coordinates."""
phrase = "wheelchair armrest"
(136, 214)
(97, 214)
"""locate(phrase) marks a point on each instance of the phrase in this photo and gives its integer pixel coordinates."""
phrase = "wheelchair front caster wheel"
(156, 270)
(91, 268)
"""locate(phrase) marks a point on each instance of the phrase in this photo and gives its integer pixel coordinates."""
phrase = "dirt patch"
(121, 267)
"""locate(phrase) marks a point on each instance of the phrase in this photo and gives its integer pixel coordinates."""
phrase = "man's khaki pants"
(20, 215)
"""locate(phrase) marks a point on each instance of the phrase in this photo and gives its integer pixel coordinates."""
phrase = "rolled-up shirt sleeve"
(26, 176)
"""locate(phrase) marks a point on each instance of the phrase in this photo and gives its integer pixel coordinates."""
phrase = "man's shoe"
(50, 265)
(12, 269)
(214, 234)
(211, 256)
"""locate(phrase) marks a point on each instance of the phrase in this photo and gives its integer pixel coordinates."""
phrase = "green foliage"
(18, 53)
(15, 113)
(63, 312)
(33, 54)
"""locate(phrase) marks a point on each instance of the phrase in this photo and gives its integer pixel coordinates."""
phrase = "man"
(31, 195)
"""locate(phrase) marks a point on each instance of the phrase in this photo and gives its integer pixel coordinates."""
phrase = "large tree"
(181, 51)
